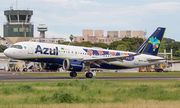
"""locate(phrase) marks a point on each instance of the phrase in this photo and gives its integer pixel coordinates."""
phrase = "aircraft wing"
(97, 61)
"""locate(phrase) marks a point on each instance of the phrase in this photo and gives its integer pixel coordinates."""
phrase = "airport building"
(42, 28)
(126, 33)
(138, 34)
(98, 36)
(18, 26)
(49, 40)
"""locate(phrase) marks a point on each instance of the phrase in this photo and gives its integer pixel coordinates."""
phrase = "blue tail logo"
(155, 42)
(152, 44)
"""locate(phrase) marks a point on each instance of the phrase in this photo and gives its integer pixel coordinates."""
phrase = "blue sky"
(65, 17)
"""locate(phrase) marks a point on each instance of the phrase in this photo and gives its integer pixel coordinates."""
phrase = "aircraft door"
(30, 48)
(136, 61)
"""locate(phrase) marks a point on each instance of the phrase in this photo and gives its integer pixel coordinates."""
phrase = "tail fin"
(152, 44)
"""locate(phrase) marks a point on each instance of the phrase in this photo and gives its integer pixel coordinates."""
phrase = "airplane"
(76, 58)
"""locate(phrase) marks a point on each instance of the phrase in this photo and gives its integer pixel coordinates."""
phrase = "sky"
(66, 17)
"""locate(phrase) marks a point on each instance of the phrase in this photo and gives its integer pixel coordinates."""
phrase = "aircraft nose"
(7, 52)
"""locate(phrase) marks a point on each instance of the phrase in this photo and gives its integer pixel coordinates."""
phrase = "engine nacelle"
(72, 65)
(50, 66)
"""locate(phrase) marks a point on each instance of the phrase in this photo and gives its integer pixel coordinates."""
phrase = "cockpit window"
(17, 46)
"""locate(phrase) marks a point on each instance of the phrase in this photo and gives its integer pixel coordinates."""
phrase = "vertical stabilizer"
(152, 44)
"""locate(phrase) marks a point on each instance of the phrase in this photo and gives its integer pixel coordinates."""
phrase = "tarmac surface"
(10, 76)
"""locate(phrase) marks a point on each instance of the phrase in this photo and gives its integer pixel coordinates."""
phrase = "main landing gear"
(74, 74)
(89, 75)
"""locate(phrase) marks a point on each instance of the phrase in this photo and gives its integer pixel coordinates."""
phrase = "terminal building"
(49, 40)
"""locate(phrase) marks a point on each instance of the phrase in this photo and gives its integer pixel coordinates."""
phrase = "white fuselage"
(56, 53)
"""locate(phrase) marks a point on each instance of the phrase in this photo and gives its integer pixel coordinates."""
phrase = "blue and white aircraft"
(76, 59)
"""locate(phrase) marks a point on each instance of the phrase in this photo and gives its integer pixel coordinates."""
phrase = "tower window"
(14, 18)
(20, 29)
(22, 18)
(7, 18)
(15, 29)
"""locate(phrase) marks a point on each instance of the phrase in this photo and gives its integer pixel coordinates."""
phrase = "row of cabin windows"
(84, 53)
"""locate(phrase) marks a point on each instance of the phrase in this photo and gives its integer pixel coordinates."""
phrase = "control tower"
(42, 28)
(18, 27)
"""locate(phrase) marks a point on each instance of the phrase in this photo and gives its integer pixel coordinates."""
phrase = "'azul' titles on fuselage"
(47, 51)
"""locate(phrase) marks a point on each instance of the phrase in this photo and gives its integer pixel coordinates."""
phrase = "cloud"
(87, 13)
(92, 14)
(164, 7)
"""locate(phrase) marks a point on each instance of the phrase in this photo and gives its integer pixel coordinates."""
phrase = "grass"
(90, 93)
(109, 74)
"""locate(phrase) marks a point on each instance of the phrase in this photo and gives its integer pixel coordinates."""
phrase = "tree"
(65, 43)
(114, 44)
(102, 45)
(121, 47)
(2, 38)
(71, 37)
(2, 48)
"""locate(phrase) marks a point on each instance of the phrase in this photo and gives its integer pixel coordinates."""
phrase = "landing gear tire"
(73, 74)
(25, 69)
(89, 75)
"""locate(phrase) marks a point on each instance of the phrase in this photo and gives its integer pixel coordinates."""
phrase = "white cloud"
(87, 13)
(164, 6)
(92, 14)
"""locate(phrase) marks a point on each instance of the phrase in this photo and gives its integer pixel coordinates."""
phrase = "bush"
(84, 87)
(43, 98)
(24, 88)
(63, 97)
(177, 85)
(141, 88)
(6, 90)
(62, 84)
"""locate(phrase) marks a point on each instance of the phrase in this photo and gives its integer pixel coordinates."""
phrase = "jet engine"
(50, 66)
(72, 65)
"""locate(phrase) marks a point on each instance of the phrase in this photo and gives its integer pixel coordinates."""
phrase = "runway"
(6, 76)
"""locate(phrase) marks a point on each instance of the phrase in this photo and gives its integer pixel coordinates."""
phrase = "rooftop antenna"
(28, 7)
(11, 7)
(16, 4)
(145, 33)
